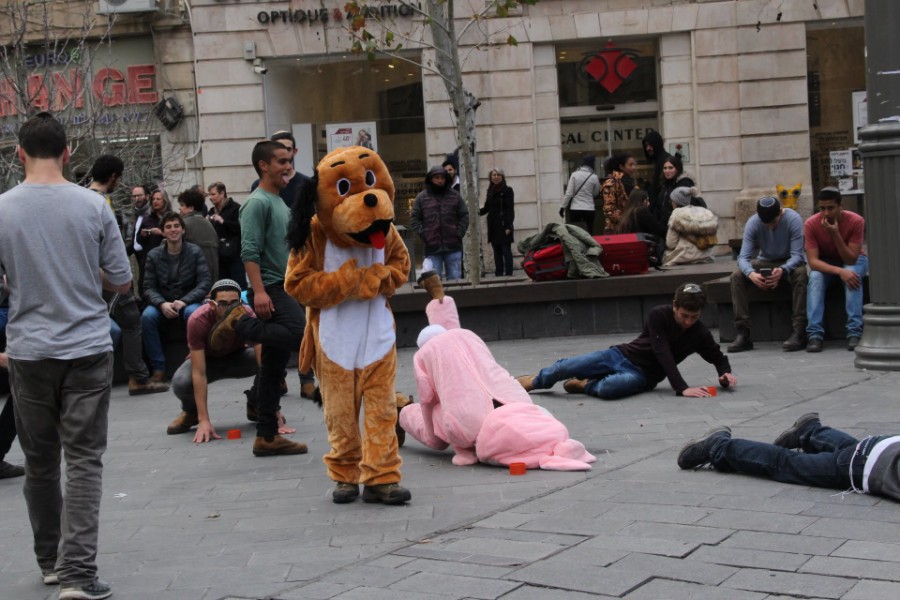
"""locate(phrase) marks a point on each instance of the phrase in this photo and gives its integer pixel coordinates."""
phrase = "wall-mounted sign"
(311, 16)
(609, 67)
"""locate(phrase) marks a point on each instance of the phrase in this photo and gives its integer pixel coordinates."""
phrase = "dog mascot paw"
(346, 261)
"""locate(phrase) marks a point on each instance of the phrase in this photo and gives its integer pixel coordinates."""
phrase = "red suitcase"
(624, 254)
(546, 263)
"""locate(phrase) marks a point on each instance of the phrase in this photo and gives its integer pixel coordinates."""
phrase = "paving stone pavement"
(184, 521)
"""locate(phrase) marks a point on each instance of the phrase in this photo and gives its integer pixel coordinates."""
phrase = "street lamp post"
(879, 347)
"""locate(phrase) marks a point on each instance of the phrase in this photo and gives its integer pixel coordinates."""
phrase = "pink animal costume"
(458, 381)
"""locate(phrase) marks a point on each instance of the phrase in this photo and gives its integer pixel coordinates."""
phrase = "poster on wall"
(860, 113)
(341, 135)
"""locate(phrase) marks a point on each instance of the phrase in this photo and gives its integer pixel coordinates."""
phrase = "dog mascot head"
(352, 195)
(789, 196)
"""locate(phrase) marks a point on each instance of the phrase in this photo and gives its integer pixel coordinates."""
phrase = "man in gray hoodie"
(828, 457)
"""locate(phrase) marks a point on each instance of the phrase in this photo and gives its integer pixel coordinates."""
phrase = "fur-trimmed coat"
(691, 237)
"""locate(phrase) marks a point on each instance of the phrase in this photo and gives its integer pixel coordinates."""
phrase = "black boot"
(797, 341)
(742, 342)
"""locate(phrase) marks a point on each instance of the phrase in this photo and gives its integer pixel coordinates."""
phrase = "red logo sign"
(610, 67)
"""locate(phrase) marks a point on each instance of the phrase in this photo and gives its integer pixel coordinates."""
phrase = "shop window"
(836, 83)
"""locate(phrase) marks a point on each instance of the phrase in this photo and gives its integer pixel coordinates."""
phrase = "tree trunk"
(464, 104)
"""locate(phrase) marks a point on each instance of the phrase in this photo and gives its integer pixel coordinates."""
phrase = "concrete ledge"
(523, 309)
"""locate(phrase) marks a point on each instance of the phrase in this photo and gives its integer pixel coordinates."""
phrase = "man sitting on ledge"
(672, 333)
(176, 280)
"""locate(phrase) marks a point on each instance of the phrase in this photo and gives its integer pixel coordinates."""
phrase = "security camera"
(258, 67)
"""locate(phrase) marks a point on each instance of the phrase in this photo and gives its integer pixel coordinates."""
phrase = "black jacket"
(500, 211)
(230, 227)
(189, 281)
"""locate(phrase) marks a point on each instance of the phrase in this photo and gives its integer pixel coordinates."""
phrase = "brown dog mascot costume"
(346, 261)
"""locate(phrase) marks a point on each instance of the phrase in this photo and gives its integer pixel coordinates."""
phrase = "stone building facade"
(728, 82)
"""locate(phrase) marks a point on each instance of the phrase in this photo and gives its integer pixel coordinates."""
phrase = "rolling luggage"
(625, 253)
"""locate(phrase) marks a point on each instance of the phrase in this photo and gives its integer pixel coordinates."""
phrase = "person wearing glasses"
(672, 333)
(213, 356)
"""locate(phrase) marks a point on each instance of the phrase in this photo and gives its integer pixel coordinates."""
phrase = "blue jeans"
(115, 332)
(611, 376)
(853, 300)
(150, 320)
(824, 462)
(449, 261)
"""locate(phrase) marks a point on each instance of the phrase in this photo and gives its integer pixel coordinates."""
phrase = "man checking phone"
(834, 247)
(771, 253)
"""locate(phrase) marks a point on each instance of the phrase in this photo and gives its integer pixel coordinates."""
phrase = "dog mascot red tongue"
(377, 239)
(346, 261)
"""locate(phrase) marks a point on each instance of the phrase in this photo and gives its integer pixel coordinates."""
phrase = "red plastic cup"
(713, 390)
(517, 468)
(234, 434)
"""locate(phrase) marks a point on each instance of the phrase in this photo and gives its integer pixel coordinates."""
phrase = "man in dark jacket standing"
(440, 218)
(225, 220)
(176, 282)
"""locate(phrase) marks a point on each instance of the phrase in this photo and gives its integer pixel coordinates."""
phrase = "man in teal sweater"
(279, 327)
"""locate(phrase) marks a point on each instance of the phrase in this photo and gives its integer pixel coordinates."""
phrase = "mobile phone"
(765, 272)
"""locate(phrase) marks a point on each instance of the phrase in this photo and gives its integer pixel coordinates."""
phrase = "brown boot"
(158, 376)
(526, 381)
(139, 387)
(386, 493)
(575, 386)
(402, 401)
(183, 423)
(222, 335)
(431, 281)
(276, 446)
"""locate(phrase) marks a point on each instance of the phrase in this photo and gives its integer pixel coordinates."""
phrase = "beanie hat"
(682, 195)
(830, 193)
(768, 208)
(224, 284)
(589, 160)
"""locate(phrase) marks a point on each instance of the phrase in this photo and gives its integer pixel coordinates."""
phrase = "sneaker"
(695, 453)
(344, 493)
(852, 342)
(277, 446)
(308, 390)
(814, 345)
(95, 590)
(49, 577)
(222, 335)
(790, 437)
(575, 386)
(526, 381)
(140, 387)
(386, 493)
(182, 423)
(8, 471)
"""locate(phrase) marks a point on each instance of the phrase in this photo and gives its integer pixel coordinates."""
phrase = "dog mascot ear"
(302, 213)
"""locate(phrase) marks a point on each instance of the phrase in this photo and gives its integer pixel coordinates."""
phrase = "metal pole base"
(879, 347)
